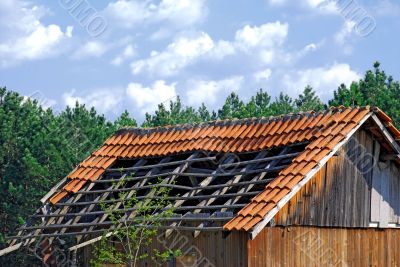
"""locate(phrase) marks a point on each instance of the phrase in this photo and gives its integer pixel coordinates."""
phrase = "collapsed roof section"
(223, 175)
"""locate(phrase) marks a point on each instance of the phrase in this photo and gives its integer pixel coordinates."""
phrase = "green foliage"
(125, 121)
(233, 108)
(37, 149)
(177, 114)
(308, 100)
(375, 89)
(137, 231)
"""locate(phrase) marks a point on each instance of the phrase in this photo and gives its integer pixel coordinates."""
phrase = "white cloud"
(262, 75)
(324, 79)
(208, 91)
(147, 98)
(182, 12)
(129, 52)
(42, 100)
(222, 49)
(326, 6)
(268, 35)
(27, 38)
(91, 49)
(310, 47)
(176, 12)
(104, 100)
(182, 52)
(346, 31)
(263, 43)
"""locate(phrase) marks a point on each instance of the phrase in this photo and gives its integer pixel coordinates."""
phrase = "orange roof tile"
(323, 131)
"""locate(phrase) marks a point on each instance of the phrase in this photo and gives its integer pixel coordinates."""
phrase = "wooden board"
(353, 189)
(318, 246)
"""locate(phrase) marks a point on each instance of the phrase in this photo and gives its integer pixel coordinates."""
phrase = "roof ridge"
(224, 122)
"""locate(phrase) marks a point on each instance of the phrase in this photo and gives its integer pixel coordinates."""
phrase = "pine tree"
(308, 100)
(125, 120)
(375, 89)
(282, 105)
(232, 108)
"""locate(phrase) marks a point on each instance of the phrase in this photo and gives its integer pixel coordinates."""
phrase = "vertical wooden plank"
(384, 207)
(376, 187)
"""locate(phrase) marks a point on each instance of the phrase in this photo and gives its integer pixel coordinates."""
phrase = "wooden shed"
(309, 189)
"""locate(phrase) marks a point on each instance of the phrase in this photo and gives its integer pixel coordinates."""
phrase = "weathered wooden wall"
(385, 195)
(316, 246)
(210, 249)
(352, 190)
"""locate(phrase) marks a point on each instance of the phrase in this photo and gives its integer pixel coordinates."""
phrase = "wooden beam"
(53, 190)
(182, 228)
(137, 219)
(10, 249)
(185, 187)
(386, 134)
(172, 163)
(258, 177)
(259, 160)
(235, 180)
(186, 174)
(117, 205)
(202, 184)
(240, 193)
(180, 168)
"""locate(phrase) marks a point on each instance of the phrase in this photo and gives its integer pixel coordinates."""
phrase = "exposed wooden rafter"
(205, 188)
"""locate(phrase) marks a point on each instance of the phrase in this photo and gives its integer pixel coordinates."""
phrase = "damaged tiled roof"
(323, 129)
(335, 129)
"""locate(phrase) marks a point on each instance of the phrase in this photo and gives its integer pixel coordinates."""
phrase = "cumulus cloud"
(129, 52)
(262, 43)
(325, 5)
(41, 99)
(25, 37)
(324, 79)
(182, 52)
(207, 91)
(105, 100)
(268, 35)
(146, 98)
(179, 13)
(345, 32)
(91, 49)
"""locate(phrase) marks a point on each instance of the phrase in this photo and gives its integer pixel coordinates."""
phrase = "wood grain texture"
(210, 249)
(318, 246)
(352, 190)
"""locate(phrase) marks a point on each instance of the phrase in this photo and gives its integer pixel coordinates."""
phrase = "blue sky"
(132, 55)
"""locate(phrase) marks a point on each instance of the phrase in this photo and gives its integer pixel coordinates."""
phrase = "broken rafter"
(223, 173)
(166, 198)
(216, 187)
(185, 187)
(138, 219)
(117, 205)
(135, 209)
